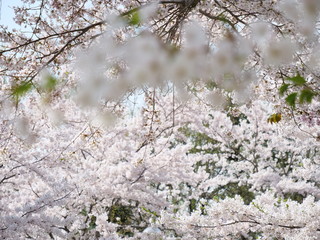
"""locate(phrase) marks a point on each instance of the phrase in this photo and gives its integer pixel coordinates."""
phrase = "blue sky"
(7, 12)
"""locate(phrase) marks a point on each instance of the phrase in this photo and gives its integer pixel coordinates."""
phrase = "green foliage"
(49, 83)
(231, 190)
(302, 91)
(210, 85)
(199, 140)
(284, 160)
(132, 17)
(295, 197)
(306, 96)
(258, 207)
(236, 119)
(291, 99)
(84, 212)
(253, 235)
(192, 205)
(290, 196)
(274, 118)
(21, 89)
(90, 219)
(120, 214)
(150, 212)
(297, 80)
(125, 232)
(92, 223)
(284, 87)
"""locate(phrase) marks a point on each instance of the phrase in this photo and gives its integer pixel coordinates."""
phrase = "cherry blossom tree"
(182, 119)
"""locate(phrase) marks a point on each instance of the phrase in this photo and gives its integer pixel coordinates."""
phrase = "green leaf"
(291, 99)
(298, 80)
(92, 223)
(49, 83)
(274, 118)
(284, 87)
(216, 198)
(258, 207)
(21, 89)
(306, 96)
(210, 85)
(134, 18)
(149, 211)
(84, 212)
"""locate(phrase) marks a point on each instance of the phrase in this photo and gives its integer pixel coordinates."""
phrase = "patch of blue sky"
(7, 13)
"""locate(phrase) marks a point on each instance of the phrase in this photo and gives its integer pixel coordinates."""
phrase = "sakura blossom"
(181, 119)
